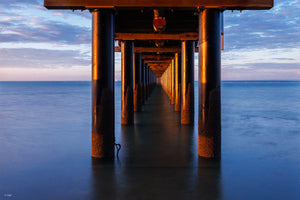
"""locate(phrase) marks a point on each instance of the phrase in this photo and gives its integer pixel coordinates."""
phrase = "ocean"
(45, 137)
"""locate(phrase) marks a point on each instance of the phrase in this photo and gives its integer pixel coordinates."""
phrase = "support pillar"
(173, 81)
(147, 81)
(137, 82)
(177, 82)
(209, 139)
(187, 82)
(127, 115)
(143, 81)
(170, 82)
(103, 110)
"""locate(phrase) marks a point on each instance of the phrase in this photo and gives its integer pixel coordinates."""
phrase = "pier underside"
(154, 34)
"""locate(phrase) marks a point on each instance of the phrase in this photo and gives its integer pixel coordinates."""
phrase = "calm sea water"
(45, 143)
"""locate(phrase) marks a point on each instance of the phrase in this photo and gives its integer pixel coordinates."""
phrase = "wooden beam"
(158, 69)
(159, 66)
(157, 57)
(223, 4)
(155, 68)
(156, 36)
(157, 61)
(155, 49)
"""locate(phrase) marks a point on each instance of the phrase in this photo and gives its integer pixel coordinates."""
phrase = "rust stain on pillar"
(137, 82)
(177, 82)
(209, 124)
(103, 110)
(187, 82)
(127, 114)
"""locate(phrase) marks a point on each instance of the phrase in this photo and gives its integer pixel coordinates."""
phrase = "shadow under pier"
(158, 159)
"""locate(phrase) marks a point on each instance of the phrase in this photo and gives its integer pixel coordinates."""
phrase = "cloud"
(29, 21)
(291, 59)
(261, 71)
(268, 66)
(37, 58)
(275, 28)
(21, 2)
(36, 30)
(258, 44)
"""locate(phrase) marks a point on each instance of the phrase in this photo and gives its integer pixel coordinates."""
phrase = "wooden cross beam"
(157, 61)
(155, 49)
(222, 4)
(156, 36)
(159, 69)
(157, 57)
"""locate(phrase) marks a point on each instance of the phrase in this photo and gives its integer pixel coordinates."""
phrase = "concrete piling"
(209, 121)
(103, 106)
(127, 115)
(187, 82)
(137, 82)
(178, 82)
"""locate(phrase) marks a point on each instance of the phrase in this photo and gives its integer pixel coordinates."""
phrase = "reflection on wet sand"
(158, 159)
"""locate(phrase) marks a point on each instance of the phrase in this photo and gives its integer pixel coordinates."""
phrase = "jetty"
(157, 39)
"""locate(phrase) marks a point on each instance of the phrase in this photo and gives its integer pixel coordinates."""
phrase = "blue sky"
(40, 44)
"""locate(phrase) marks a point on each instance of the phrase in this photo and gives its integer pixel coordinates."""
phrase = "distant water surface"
(45, 146)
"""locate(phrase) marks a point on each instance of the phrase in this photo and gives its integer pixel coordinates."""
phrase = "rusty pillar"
(177, 82)
(127, 115)
(103, 106)
(209, 139)
(137, 82)
(187, 82)
(173, 81)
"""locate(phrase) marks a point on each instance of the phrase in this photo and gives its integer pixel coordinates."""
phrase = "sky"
(37, 44)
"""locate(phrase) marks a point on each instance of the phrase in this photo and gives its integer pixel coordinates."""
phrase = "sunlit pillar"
(173, 81)
(169, 82)
(137, 82)
(177, 82)
(187, 82)
(209, 139)
(127, 115)
(103, 110)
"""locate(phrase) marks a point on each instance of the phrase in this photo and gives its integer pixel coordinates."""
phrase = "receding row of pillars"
(138, 79)
(137, 82)
(178, 82)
